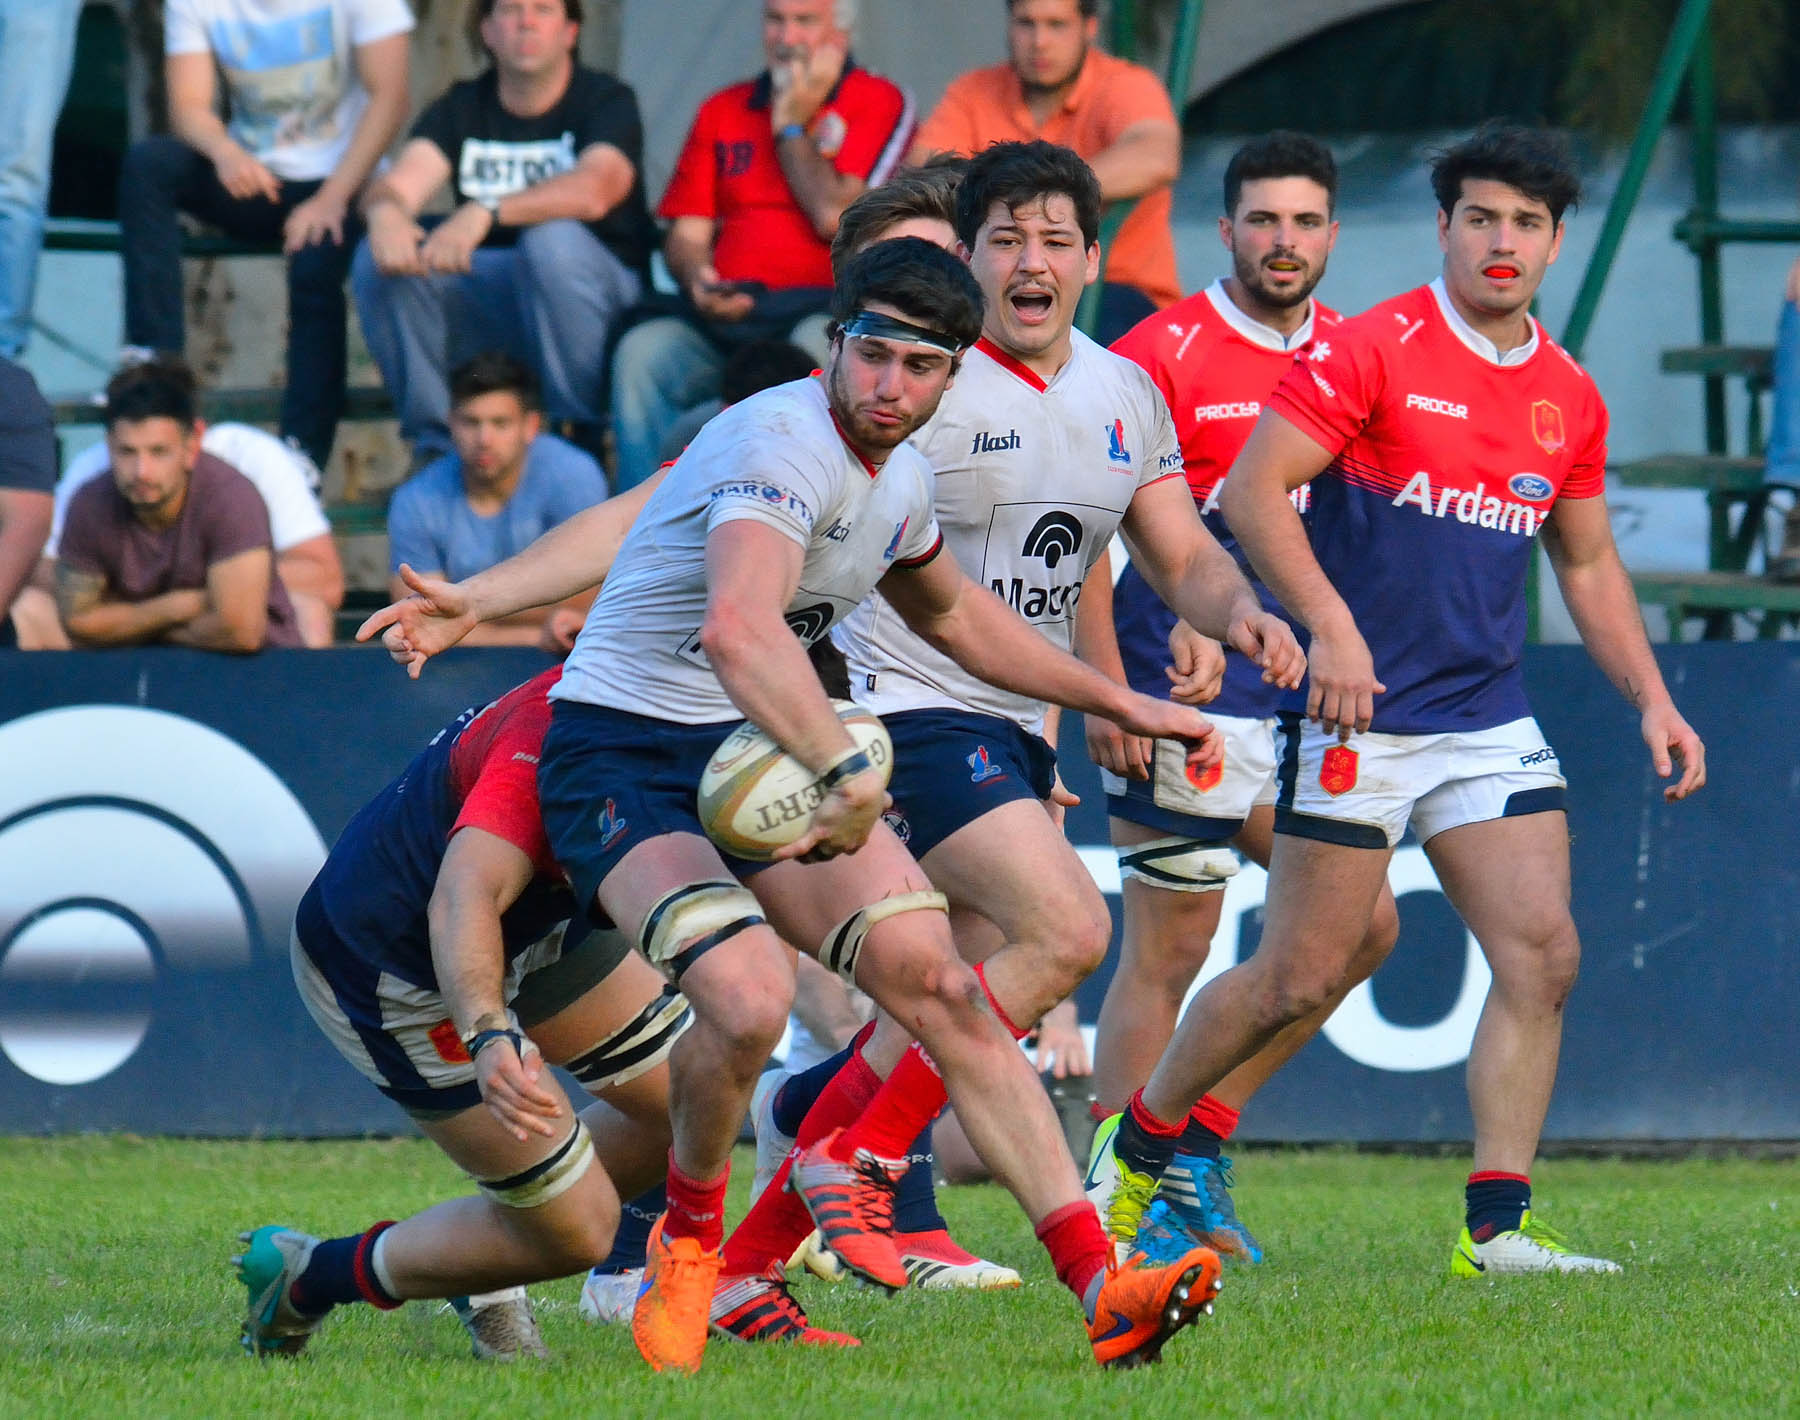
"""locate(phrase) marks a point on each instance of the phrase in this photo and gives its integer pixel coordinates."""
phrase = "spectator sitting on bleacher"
(306, 557)
(317, 90)
(549, 240)
(768, 167)
(27, 474)
(506, 484)
(174, 547)
(1782, 453)
(1057, 86)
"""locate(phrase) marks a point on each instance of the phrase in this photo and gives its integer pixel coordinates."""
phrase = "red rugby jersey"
(493, 770)
(1447, 458)
(728, 170)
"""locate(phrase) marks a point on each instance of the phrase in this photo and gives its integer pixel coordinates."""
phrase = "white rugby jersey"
(1032, 480)
(775, 458)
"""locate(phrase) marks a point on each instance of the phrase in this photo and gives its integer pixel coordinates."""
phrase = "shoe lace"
(1131, 1198)
(1544, 1235)
(873, 1199)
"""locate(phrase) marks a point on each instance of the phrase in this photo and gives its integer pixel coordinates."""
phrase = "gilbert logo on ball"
(755, 798)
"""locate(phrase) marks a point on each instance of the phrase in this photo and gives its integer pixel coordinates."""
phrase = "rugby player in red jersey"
(436, 951)
(1216, 356)
(1440, 431)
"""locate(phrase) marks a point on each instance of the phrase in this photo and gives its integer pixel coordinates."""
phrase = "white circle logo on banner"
(133, 842)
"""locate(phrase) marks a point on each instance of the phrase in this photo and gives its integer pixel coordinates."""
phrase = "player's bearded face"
(882, 390)
(1497, 244)
(1032, 266)
(1280, 239)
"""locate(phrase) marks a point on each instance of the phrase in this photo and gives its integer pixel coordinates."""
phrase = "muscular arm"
(599, 182)
(821, 190)
(1145, 156)
(93, 619)
(481, 876)
(236, 618)
(1193, 575)
(1097, 643)
(24, 525)
(1597, 590)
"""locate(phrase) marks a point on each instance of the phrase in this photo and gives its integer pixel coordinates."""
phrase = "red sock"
(1077, 1246)
(696, 1209)
(777, 1221)
(1214, 1115)
(909, 1099)
(998, 1009)
(1153, 1125)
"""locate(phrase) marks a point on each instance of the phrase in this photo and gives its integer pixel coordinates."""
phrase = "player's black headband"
(892, 328)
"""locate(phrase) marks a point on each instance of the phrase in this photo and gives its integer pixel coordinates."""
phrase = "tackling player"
(1046, 445)
(435, 952)
(1215, 356)
(1442, 430)
(784, 513)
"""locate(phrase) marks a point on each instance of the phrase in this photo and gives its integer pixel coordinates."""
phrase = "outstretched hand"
(434, 618)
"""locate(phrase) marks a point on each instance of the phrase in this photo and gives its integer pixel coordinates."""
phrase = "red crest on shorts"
(1337, 770)
(1204, 779)
(1547, 426)
(448, 1043)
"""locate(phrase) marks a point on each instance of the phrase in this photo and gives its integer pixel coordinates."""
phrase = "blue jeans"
(1782, 453)
(549, 301)
(37, 51)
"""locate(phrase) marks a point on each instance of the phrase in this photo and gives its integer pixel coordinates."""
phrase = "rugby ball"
(756, 798)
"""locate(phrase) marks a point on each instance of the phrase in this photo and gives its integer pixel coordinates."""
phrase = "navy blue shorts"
(953, 766)
(610, 780)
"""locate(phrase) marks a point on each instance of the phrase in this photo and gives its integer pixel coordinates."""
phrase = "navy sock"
(1495, 1203)
(915, 1196)
(796, 1095)
(1198, 1140)
(636, 1217)
(1139, 1145)
(339, 1272)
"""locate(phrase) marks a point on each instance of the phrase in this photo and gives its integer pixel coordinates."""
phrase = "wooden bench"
(1717, 597)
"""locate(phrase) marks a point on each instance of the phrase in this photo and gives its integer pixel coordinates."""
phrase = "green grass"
(115, 1301)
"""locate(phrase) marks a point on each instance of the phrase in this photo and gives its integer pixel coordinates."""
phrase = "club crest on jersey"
(893, 547)
(1337, 770)
(1547, 426)
(612, 827)
(448, 1043)
(1116, 452)
(981, 768)
(1532, 487)
(1206, 779)
(896, 820)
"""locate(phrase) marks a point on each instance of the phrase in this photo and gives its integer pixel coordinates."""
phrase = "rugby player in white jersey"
(1441, 431)
(1215, 356)
(1046, 446)
(784, 513)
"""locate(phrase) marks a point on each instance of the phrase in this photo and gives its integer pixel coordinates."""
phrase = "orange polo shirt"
(987, 106)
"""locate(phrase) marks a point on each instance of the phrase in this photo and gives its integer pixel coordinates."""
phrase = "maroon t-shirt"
(223, 516)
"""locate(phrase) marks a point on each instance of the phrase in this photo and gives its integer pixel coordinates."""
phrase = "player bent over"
(1046, 446)
(1441, 431)
(435, 936)
(784, 513)
(1216, 357)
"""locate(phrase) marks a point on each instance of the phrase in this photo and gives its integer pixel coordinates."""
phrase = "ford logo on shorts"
(1532, 487)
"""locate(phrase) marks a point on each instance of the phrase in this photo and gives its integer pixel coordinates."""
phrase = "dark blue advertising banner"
(162, 811)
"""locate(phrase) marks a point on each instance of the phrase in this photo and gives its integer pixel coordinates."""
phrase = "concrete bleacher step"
(245, 406)
(1722, 473)
(1751, 362)
(80, 234)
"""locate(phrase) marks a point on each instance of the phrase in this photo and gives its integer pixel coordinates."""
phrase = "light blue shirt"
(432, 528)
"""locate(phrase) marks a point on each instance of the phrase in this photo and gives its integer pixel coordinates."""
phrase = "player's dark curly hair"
(162, 388)
(1281, 154)
(928, 192)
(495, 372)
(1020, 173)
(1535, 161)
(925, 283)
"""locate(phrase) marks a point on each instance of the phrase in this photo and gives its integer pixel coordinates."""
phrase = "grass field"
(115, 1300)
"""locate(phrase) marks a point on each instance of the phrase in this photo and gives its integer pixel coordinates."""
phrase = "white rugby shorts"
(1223, 796)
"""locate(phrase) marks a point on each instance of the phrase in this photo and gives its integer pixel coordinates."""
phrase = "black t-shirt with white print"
(494, 153)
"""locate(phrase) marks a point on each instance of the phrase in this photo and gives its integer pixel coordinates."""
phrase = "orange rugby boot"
(674, 1302)
(1142, 1304)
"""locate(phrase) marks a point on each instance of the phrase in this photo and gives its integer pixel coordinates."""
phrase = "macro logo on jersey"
(612, 826)
(1547, 426)
(986, 443)
(137, 848)
(1337, 770)
(1207, 779)
(1532, 487)
(1034, 561)
(763, 491)
(809, 623)
(981, 768)
(1052, 537)
(1116, 452)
